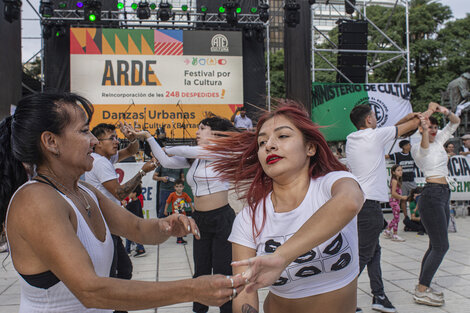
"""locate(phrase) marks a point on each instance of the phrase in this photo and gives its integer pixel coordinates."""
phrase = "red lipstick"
(272, 158)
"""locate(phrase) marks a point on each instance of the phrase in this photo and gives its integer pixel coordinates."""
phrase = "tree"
(278, 86)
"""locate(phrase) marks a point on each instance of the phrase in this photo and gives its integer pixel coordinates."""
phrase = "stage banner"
(459, 177)
(157, 78)
(332, 104)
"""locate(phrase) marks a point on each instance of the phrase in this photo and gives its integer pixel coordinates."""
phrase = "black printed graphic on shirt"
(331, 256)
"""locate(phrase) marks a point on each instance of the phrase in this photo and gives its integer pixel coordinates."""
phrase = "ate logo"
(379, 108)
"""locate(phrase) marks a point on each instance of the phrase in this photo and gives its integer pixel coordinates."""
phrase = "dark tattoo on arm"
(125, 189)
(246, 308)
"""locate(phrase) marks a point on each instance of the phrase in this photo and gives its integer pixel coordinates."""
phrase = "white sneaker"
(4, 248)
(397, 238)
(428, 297)
(387, 234)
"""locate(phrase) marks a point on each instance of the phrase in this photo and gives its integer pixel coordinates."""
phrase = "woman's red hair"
(237, 157)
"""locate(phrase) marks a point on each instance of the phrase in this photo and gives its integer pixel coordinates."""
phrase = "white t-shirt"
(433, 160)
(365, 157)
(241, 122)
(327, 267)
(102, 171)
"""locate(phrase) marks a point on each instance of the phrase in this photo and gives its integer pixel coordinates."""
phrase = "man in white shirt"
(103, 176)
(365, 157)
(465, 148)
(241, 120)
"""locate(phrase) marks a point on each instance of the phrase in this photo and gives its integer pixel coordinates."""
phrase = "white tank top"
(59, 298)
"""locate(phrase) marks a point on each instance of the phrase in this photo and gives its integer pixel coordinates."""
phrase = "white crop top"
(327, 267)
(201, 176)
(58, 298)
(433, 160)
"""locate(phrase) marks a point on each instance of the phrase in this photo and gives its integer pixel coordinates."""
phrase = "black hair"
(179, 181)
(448, 143)
(138, 190)
(20, 136)
(219, 124)
(433, 120)
(403, 143)
(358, 115)
(414, 191)
(102, 129)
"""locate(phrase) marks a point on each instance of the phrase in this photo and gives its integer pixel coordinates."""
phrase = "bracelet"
(142, 173)
(131, 142)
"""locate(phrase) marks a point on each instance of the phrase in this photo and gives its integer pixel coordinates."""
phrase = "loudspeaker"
(352, 35)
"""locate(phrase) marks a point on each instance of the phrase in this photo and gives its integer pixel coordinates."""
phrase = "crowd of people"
(283, 169)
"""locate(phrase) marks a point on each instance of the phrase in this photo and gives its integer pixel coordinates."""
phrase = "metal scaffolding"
(336, 11)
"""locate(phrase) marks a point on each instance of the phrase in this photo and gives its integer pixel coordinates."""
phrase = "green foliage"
(278, 86)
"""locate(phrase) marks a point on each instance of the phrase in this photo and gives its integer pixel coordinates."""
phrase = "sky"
(31, 30)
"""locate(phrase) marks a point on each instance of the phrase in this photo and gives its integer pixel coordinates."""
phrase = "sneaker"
(139, 253)
(397, 238)
(358, 310)
(387, 234)
(421, 233)
(4, 247)
(181, 241)
(382, 304)
(434, 295)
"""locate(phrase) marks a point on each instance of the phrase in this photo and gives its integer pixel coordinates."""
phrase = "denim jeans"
(129, 243)
(434, 211)
(370, 223)
(162, 196)
(213, 252)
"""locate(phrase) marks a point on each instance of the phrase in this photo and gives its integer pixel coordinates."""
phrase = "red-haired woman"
(298, 233)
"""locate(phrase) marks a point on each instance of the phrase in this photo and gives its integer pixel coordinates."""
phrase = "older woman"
(59, 229)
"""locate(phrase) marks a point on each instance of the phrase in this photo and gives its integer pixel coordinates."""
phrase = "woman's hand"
(442, 110)
(131, 134)
(179, 225)
(262, 270)
(423, 122)
(215, 290)
(432, 106)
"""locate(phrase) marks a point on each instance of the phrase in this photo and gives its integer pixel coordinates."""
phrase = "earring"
(57, 153)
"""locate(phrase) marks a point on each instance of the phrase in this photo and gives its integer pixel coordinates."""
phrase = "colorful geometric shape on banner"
(91, 44)
(168, 42)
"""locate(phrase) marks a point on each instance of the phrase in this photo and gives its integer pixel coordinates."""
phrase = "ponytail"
(12, 171)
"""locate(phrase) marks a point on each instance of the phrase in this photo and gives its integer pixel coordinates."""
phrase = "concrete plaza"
(400, 266)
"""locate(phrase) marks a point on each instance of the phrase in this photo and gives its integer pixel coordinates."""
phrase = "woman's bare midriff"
(211, 202)
(437, 180)
(324, 303)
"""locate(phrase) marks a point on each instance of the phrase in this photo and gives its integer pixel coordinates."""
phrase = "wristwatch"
(142, 173)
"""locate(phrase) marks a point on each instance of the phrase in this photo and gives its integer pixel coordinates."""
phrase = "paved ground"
(400, 266)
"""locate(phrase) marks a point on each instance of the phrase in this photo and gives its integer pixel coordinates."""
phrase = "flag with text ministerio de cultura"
(332, 104)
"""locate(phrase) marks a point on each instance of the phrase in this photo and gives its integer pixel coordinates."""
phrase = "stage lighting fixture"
(46, 8)
(349, 6)
(92, 10)
(62, 5)
(11, 10)
(153, 6)
(46, 31)
(231, 9)
(184, 8)
(134, 6)
(253, 10)
(263, 12)
(120, 5)
(291, 13)
(79, 4)
(60, 30)
(203, 9)
(143, 11)
(164, 11)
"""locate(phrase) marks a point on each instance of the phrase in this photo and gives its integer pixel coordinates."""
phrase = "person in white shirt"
(365, 157)
(241, 121)
(298, 233)
(58, 229)
(431, 158)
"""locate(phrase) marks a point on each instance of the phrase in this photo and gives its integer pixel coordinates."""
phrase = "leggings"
(393, 224)
(434, 211)
(213, 252)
